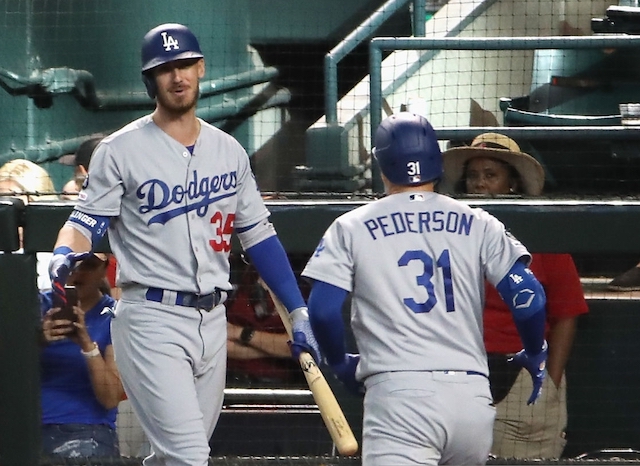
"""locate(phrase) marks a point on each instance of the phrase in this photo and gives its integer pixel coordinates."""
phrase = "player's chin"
(180, 104)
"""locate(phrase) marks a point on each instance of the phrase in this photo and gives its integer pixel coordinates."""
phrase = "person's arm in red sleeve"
(565, 302)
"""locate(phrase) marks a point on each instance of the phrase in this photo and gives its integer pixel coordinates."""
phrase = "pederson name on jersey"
(398, 223)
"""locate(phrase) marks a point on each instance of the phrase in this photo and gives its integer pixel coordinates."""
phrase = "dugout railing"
(603, 373)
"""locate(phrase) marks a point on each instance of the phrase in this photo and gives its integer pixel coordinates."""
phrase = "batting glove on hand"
(60, 267)
(303, 338)
(345, 372)
(536, 366)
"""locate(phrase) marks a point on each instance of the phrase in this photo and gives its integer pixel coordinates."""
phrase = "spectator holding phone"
(81, 386)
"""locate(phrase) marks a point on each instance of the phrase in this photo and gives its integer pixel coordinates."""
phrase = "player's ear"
(201, 68)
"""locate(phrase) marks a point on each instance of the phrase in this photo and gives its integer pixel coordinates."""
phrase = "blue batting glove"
(345, 372)
(536, 366)
(64, 260)
(303, 337)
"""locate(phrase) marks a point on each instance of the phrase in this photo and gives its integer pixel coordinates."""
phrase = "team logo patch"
(320, 248)
(168, 42)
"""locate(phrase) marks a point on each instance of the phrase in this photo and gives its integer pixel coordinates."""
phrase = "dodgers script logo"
(168, 42)
(196, 195)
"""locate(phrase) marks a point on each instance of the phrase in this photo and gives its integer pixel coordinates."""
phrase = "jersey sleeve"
(251, 208)
(500, 249)
(332, 261)
(103, 189)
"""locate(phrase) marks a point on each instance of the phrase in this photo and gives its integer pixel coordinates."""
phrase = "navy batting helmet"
(165, 43)
(407, 149)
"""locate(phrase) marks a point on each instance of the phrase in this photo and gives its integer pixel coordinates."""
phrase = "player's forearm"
(272, 263)
(325, 314)
(525, 297)
(561, 336)
(73, 239)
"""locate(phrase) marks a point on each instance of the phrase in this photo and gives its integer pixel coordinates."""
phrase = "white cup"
(630, 114)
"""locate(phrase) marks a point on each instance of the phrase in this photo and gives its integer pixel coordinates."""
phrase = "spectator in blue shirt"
(81, 386)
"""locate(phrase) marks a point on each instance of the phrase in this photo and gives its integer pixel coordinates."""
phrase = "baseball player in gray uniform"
(415, 263)
(171, 189)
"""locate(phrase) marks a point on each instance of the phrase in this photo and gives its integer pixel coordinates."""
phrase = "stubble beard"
(179, 106)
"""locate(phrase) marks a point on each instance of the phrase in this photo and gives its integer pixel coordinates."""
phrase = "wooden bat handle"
(328, 406)
(330, 410)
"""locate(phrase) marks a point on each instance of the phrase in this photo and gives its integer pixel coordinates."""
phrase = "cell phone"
(66, 311)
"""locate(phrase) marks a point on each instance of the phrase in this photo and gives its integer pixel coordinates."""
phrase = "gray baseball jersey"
(416, 264)
(175, 211)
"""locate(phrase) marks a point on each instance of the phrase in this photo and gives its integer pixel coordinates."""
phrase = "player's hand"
(346, 373)
(536, 366)
(303, 338)
(60, 267)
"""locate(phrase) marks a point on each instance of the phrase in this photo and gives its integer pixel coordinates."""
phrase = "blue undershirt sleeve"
(272, 263)
(525, 296)
(325, 315)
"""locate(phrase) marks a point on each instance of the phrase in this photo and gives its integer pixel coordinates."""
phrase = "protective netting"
(70, 71)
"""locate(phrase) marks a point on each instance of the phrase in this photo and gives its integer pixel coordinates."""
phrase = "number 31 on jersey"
(424, 280)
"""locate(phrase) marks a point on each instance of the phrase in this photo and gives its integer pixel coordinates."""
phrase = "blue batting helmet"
(407, 150)
(165, 43)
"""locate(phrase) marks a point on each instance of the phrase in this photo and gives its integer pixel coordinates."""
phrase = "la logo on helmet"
(168, 42)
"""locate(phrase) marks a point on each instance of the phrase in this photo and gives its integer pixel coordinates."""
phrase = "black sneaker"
(628, 281)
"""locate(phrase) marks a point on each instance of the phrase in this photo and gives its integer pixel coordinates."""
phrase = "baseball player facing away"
(415, 262)
(171, 189)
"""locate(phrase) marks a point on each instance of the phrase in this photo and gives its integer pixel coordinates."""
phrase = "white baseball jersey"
(416, 264)
(174, 212)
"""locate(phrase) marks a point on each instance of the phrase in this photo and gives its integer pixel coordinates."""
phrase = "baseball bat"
(328, 406)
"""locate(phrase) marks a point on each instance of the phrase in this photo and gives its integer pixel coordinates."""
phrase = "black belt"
(460, 372)
(199, 301)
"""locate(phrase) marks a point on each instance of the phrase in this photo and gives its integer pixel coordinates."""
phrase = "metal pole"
(419, 9)
(375, 108)
(358, 35)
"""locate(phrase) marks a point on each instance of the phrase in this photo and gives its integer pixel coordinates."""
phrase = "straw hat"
(497, 146)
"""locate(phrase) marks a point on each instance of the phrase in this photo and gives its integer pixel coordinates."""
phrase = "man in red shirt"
(258, 353)
(494, 165)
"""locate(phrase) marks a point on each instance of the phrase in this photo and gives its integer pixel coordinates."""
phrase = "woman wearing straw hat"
(494, 165)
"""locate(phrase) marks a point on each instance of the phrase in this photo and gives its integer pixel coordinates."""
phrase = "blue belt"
(199, 301)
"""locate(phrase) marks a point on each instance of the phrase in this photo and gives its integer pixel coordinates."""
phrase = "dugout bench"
(603, 373)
